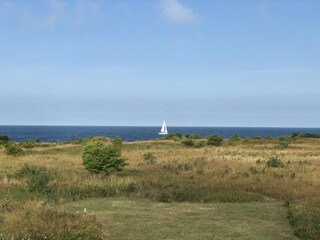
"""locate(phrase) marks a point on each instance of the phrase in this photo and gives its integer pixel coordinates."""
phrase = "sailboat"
(164, 130)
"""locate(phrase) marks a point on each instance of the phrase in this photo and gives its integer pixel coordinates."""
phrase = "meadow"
(258, 188)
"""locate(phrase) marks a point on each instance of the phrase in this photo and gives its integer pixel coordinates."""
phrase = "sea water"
(66, 133)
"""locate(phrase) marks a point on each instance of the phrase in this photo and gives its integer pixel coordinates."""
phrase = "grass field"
(131, 218)
(233, 182)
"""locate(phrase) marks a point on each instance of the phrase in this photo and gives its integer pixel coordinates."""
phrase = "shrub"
(28, 144)
(235, 138)
(37, 178)
(214, 140)
(200, 144)
(284, 142)
(311, 135)
(149, 158)
(174, 135)
(274, 162)
(175, 138)
(295, 135)
(195, 136)
(4, 138)
(188, 142)
(98, 157)
(13, 149)
(117, 141)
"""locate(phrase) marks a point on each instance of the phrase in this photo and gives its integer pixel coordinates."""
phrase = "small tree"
(215, 140)
(98, 157)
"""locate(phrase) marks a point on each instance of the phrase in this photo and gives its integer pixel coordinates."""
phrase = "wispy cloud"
(55, 12)
(175, 11)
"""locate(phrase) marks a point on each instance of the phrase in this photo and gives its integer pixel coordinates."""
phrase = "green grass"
(132, 218)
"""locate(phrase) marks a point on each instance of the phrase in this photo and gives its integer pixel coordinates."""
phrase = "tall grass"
(237, 171)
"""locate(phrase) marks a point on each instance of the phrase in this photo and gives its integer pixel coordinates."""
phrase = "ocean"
(66, 133)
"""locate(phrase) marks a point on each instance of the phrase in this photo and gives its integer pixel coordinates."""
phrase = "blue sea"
(66, 133)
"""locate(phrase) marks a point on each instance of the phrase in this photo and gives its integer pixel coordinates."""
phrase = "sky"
(234, 63)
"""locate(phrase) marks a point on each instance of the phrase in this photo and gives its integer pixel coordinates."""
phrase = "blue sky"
(194, 63)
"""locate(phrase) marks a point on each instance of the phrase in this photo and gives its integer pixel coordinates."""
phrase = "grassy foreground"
(124, 218)
(235, 176)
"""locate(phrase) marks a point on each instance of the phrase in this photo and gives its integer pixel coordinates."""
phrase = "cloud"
(55, 12)
(176, 12)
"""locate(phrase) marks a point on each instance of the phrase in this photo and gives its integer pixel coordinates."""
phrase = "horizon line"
(49, 125)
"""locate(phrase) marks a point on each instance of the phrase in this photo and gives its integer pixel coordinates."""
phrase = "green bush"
(200, 144)
(214, 140)
(285, 141)
(149, 158)
(190, 136)
(274, 162)
(295, 135)
(174, 136)
(37, 178)
(117, 141)
(235, 138)
(188, 142)
(98, 157)
(13, 149)
(4, 138)
(28, 144)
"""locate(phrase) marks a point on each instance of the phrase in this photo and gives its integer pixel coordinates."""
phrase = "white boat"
(164, 130)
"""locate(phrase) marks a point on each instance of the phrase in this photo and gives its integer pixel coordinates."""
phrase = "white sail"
(164, 129)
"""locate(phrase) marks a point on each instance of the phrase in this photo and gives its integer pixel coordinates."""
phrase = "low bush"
(117, 141)
(310, 135)
(13, 149)
(285, 141)
(188, 142)
(190, 136)
(295, 135)
(4, 138)
(29, 144)
(235, 138)
(274, 162)
(174, 136)
(37, 178)
(98, 157)
(200, 144)
(214, 140)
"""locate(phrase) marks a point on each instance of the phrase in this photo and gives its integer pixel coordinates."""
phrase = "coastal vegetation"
(75, 190)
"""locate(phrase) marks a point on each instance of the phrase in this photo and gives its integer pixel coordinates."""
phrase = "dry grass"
(234, 172)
